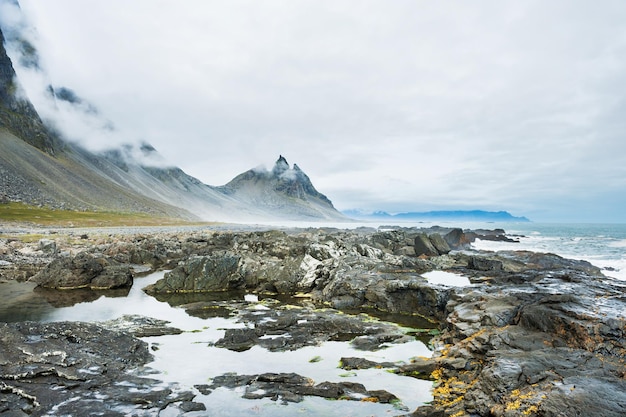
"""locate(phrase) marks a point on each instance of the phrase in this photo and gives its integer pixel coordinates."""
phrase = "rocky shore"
(534, 334)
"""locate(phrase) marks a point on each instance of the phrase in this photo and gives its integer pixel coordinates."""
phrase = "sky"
(400, 105)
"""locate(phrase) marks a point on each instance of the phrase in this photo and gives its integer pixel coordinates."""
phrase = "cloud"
(76, 119)
(396, 106)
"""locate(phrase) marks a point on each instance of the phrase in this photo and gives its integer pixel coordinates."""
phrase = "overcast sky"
(386, 105)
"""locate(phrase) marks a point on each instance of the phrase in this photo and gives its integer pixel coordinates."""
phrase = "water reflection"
(192, 358)
(24, 301)
(201, 362)
(448, 279)
(18, 302)
(69, 298)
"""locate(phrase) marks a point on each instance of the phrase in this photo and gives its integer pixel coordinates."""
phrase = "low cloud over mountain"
(48, 157)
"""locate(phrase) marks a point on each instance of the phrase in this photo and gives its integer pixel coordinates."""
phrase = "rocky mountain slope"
(38, 166)
(283, 189)
(16, 113)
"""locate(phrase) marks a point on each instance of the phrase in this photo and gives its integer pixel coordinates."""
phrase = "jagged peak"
(280, 166)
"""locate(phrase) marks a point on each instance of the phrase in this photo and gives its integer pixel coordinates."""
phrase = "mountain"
(442, 215)
(283, 189)
(16, 112)
(39, 166)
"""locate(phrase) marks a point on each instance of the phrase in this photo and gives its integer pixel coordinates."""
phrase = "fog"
(395, 106)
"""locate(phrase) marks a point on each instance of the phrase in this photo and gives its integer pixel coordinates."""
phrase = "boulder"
(481, 263)
(218, 272)
(84, 270)
(439, 243)
(423, 246)
(48, 246)
(457, 239)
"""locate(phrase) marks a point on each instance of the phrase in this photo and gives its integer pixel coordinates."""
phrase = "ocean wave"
(604, 250)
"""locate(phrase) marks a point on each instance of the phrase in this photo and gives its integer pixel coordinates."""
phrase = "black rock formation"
(17, 114)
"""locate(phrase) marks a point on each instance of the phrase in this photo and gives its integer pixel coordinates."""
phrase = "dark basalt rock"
(439, 243)
(361, 363)
(291, 387)
(430, 245)
(77, 369)
(424, 246)
(219, 272)
(546, 337)
(284, 328)
(140, 326)
(419, 368)
(481, 263)
(84, 271)
(238, 339)
(536, 334)
(457, 239)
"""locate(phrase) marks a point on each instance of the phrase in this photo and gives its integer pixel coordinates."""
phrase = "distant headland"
(440, 215)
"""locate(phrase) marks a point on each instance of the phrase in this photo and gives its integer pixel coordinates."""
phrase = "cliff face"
(17, 114)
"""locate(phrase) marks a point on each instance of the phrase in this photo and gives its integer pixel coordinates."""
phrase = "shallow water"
(190, 359)
(448, 279)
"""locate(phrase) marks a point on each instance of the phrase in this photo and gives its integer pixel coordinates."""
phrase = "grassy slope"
(23, 213)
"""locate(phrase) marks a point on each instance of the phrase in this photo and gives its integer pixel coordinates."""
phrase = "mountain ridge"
(265, 188)
(40, 167)
(17, 113)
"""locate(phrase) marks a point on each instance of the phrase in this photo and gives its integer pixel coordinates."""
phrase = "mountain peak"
(280, 166)
(284, 190)
(126, 177)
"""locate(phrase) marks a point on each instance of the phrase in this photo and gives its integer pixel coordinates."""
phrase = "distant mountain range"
(455, 215)
(39, 166)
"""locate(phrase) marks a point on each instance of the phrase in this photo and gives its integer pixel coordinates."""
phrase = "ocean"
(604, 245)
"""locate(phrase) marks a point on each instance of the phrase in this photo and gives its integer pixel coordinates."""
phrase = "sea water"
(603, 245)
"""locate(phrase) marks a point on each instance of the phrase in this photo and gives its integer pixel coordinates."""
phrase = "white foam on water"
(618, 243)
(601, 251)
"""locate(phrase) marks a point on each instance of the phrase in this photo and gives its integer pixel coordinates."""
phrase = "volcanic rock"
(291, 387)
(77, 369)
(84, 271)
(424, 246)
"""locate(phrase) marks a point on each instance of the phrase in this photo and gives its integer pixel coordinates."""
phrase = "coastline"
(528, 330)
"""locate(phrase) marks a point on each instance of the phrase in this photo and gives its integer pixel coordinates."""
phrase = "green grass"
(43, 216)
